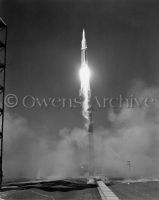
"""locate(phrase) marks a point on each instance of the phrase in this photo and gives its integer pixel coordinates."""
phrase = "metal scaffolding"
(3, 42)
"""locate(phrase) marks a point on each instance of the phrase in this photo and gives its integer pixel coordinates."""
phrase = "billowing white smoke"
(134, 136)
(33, 155)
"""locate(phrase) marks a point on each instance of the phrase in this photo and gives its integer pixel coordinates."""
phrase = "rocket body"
(85, 91)
(84, 49)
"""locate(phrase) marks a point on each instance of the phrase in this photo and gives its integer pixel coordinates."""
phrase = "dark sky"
(43, 55)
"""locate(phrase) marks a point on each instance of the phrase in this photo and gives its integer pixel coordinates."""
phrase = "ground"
(137, 191)
(67, 189)
(79, 190)
(35, 194)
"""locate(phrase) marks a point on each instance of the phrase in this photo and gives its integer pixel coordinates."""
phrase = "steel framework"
(3, 42)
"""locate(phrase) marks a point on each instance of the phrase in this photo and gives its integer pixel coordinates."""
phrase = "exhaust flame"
(85, 91)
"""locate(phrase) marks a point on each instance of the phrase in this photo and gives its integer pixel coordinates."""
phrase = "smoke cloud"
(31, 154)
(133, 136)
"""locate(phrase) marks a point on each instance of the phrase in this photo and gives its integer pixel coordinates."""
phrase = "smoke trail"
(85, 91)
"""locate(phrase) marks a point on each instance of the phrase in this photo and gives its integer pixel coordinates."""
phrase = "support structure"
(3, 42)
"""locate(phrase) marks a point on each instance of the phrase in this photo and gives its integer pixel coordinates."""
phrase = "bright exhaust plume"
(85, 89)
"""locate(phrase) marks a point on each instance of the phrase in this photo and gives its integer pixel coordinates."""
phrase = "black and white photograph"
(79, 100)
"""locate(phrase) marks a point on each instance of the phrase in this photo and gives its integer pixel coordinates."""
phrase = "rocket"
(83, 49)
